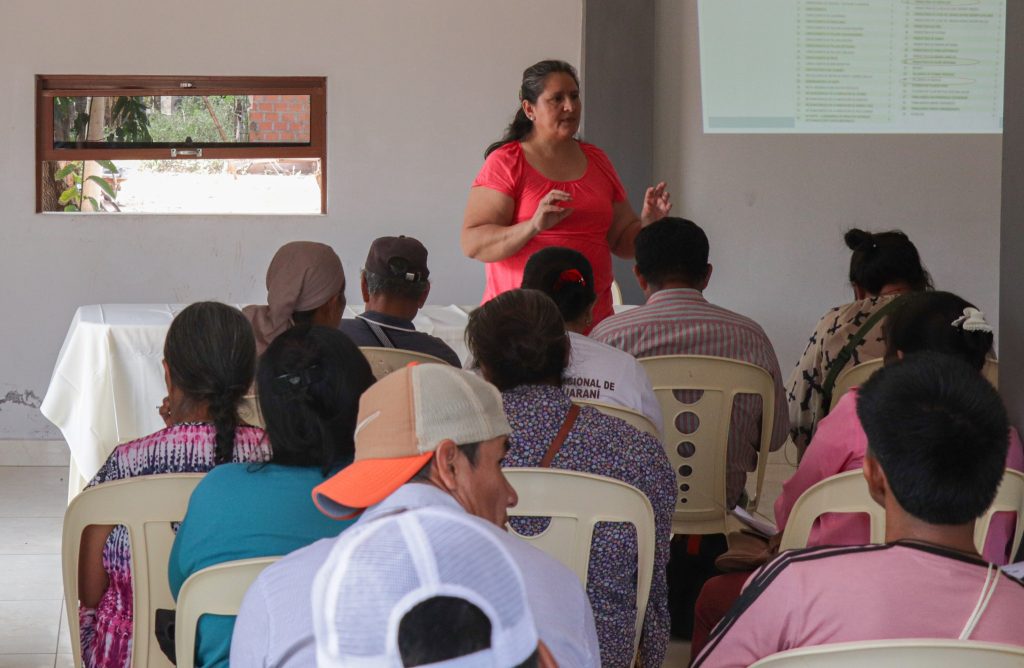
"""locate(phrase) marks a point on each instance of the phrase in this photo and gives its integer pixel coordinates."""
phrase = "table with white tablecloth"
(108, 379)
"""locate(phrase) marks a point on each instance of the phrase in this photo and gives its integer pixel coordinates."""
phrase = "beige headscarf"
(302, 276)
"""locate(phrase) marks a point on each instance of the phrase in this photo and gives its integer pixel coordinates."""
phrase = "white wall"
(416, 90)
(775, 206)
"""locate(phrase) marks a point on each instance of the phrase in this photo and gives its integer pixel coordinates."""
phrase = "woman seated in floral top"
(518, 339)
(883, 266)
(209, 361)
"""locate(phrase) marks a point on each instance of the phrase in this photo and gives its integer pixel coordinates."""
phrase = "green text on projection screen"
(852, 66)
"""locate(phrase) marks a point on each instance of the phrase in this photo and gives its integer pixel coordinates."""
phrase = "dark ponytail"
(211, 356)
(534, 78)
(566, 276)
(885, 257)
(924, 322)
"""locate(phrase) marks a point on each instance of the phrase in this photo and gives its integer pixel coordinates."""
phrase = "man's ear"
(362, 287)
(707, 278)
(878, 484)
(444, 465)
(423, 297)
(640, 279)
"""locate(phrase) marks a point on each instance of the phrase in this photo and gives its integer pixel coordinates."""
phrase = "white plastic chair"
(616, 293)
(843, 493)
(216, 590)
(249, 411)
(631, 417)
(575, 502)
(385, 360)
(146, 506)
(856, 376)
(913, 653)
(699, 458)
(1009, 498)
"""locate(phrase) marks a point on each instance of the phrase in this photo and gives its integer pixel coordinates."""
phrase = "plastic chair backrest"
(699, 458)
(855, 376)
(911, 653)
(616, 293)
(385, 360)
(843, 493)
(633, 418)
(1009, 498)
(146, 506)
(216, 590)
(575, 502)
(249, 411)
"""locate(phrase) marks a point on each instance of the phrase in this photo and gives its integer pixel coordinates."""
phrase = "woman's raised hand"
(657, 204)
(549, 213)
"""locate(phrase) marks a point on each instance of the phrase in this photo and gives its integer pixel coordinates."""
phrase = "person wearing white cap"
(408, 590)
(427, 436)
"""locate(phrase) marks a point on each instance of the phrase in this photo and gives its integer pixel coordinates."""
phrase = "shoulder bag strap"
(563, 433)
(846, 353)
(378, 332)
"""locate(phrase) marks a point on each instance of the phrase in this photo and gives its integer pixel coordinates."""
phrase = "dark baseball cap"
(398, 257)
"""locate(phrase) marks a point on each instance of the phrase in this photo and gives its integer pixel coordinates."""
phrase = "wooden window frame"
(50, 86)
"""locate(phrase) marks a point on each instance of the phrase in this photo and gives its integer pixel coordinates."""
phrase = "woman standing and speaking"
(540, 186)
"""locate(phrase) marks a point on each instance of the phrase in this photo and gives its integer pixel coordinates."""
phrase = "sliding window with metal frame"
(107, 118)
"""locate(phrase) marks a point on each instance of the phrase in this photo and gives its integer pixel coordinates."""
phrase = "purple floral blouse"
(606, 446)
(183, 448)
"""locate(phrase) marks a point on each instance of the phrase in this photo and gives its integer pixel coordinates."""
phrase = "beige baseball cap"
(402, 419)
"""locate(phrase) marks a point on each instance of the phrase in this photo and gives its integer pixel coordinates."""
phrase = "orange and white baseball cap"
(403, 417)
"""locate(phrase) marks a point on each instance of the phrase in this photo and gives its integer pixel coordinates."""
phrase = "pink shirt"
(585, 229)
(825, 595)
(839, 445)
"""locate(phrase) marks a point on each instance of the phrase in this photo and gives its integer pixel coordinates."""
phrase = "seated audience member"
(519, 341)
(426, 587)
(927, 580)
(427, 436)
(305, 286)
(209, 356)
(930, 321)
(673, 271)
(938, 322)
(395, 287)
(309, 383)
(596, 371)
(883, 266)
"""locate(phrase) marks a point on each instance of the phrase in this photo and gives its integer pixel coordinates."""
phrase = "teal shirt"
(241, 511)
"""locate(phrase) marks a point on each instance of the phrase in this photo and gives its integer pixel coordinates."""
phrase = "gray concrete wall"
(416, 90)
(1011, 270)
(618, 90)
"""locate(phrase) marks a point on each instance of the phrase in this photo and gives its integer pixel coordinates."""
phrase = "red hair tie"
(569, 276)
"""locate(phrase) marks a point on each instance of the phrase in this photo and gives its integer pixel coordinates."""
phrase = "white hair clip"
(972, 320)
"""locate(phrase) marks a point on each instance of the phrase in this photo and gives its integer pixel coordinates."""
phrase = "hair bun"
(859, 240)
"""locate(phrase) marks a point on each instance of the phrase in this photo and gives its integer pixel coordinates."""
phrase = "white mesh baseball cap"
(403, 417)
(378, 571)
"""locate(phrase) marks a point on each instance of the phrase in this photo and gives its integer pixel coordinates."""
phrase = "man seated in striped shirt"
(936, 450)
(672, 269)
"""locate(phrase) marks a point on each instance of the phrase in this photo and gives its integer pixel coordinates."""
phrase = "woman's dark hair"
(534, 78)
(519, 338)
(211, 354)
(564, 275)
(881, 258)
(309, 383)
(924, 322)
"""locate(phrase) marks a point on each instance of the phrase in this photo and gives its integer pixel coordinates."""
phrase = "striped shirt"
(679, 321)
(825, 595)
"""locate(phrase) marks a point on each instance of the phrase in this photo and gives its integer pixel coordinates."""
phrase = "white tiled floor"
(33, 631)
(32, 502)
